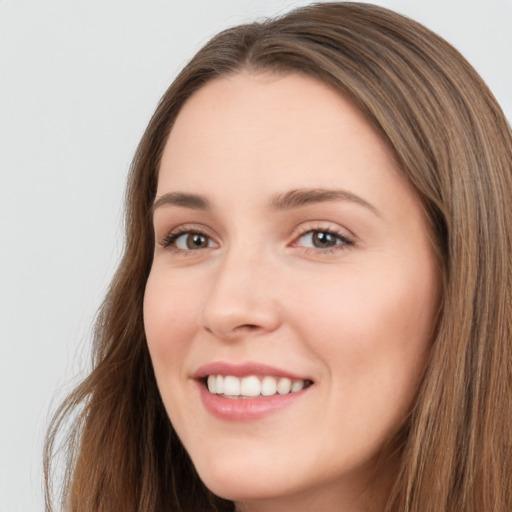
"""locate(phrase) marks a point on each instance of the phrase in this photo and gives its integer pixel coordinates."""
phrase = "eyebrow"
(302, 197)
(193, 201)
(286, 201)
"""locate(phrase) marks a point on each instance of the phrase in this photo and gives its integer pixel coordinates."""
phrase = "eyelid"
(346, 237)
(174, 233)
(318, 225)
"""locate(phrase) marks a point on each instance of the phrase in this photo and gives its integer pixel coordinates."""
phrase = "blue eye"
(323, 239)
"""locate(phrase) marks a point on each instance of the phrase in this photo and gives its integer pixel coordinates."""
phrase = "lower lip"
(246, 409)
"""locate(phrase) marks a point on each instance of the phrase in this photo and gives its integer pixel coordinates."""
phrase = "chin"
(252, 487)
(246, 480)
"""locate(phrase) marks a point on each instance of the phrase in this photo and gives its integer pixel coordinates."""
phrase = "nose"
(242, 300)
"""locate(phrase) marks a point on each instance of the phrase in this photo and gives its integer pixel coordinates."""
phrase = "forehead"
(254, 131)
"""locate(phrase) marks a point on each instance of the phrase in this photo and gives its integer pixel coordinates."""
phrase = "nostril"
(239, 328)
(246, 327)
(231, 320)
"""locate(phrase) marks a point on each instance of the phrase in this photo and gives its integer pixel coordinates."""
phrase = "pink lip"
(244, 409)
(242, 370)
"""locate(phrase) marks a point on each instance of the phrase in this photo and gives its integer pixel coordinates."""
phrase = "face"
(291, 302)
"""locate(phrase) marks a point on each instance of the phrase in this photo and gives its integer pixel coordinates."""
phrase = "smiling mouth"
(252, 386)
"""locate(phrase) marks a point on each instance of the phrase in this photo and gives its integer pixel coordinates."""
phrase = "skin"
(356, 318)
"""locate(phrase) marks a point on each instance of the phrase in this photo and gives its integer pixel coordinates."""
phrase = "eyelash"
(170, 239)
(343, 242)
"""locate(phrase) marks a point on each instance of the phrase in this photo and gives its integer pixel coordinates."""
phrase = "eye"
(323, 239)
(188, 241)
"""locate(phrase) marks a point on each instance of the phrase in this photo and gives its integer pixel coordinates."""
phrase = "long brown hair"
(454, 146)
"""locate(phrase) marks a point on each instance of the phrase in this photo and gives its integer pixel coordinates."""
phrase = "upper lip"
(244, 370)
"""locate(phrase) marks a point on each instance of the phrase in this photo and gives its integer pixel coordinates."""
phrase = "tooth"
(297, 385)
(284, 386)
(211, 383)
(231, 385)
(268, 386)
(250, 386)
(219, 385)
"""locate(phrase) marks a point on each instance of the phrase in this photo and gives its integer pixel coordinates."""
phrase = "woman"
(313, 307)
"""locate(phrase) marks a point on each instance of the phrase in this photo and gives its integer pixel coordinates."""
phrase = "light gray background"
(79, 80)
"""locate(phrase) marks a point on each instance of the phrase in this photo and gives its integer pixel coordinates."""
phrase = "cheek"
(167, 313)
(168, 310)
(374, 333)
